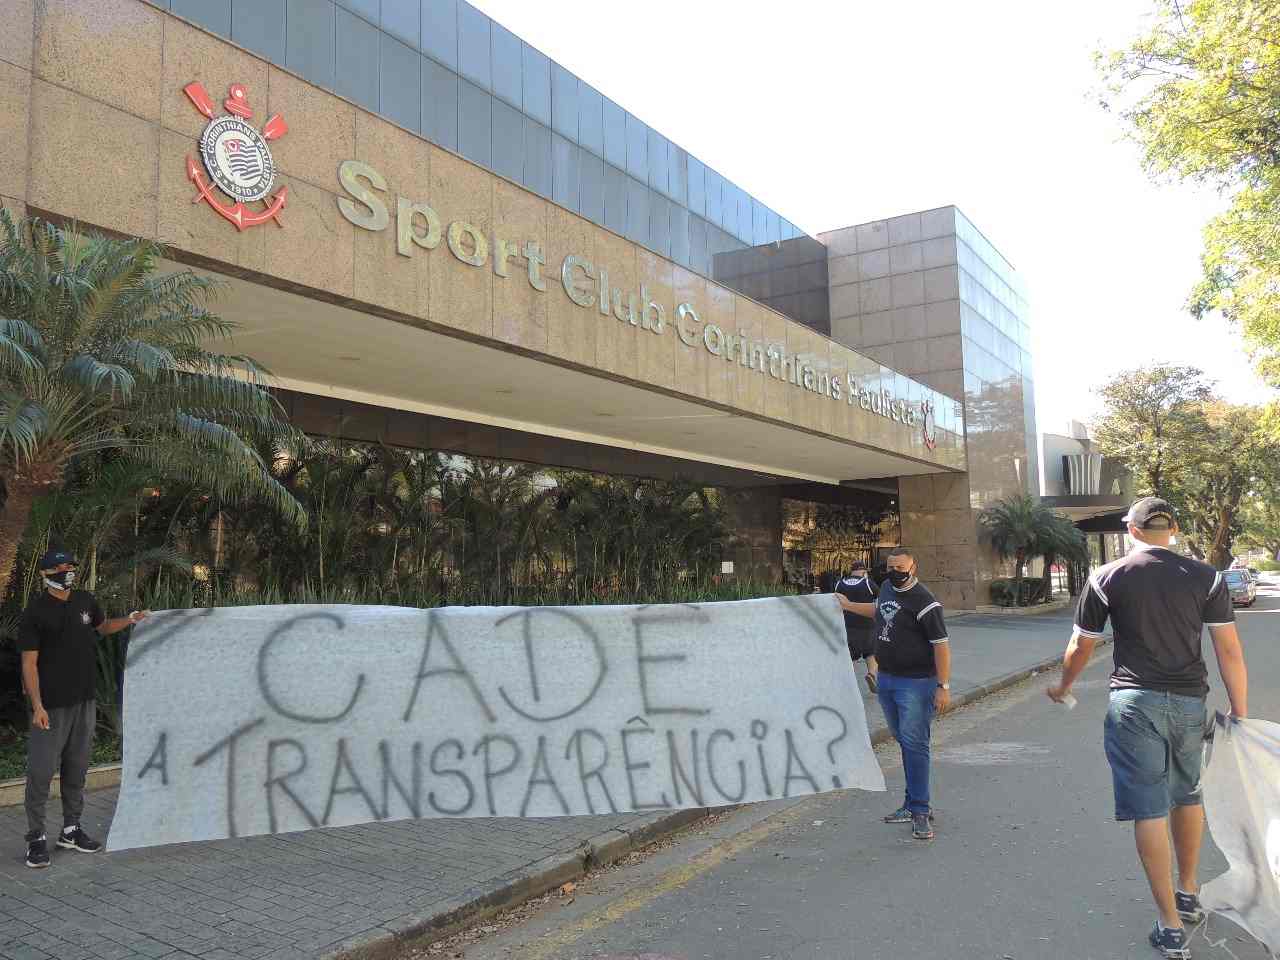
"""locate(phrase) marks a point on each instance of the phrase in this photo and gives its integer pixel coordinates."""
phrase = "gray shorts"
(1154, 743)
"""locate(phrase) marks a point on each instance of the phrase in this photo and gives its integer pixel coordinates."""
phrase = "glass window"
(615, 199)
(715, 192)
(697, 187)
(508, 141)
(699, 257)
(564, 103)
(659, 223)
(400, 83)
(440, 31)
(357, 60)
(590, 119)
(537, 157)
(746, 217)
(637, 211)
(259, 27)
(759, 229)
(475, 46)
(439, 104)
(537, 85)
(615, 134)
(591, 188)
(309, 40)
(364, 8)
(772, 228)
(475, 124)
(729, 214)
(677, 174)
(213, 15)
(657, 154)
(508, 68)
(637, 149)
(402, 18)
(566, 172)
(680, 246)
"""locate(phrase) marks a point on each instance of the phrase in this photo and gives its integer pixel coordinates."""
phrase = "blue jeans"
(907, 703)
(1154, 743)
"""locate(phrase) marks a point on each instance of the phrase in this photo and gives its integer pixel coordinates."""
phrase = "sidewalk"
(322, 892)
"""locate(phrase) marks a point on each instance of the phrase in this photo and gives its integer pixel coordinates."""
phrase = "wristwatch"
(945, 686)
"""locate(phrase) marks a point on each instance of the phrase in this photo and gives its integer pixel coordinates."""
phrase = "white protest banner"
(251, 720)
(1242, 806)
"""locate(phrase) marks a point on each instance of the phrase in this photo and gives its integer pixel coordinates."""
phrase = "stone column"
(755, 522)
(17, 40)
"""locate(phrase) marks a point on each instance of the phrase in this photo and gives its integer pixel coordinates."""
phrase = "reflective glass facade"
(444, 70)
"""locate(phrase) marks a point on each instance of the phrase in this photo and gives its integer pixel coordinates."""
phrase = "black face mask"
(60, 581)
(899, 577)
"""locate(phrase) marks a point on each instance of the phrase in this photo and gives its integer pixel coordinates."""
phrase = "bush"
(1002, 592)
(1269, 566)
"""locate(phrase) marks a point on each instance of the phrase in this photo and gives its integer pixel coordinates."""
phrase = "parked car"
(1244, 589)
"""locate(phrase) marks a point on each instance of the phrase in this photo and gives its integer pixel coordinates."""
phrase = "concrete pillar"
(17, 40)
(755, 522)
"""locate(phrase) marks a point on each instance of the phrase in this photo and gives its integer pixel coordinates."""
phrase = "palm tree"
(98, 352)
(1060, 540)
(1016, 527)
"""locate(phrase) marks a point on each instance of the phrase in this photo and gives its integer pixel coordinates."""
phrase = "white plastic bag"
(1242, 805)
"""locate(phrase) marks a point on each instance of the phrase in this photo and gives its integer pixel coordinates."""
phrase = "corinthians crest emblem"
(930, 428)
(236, 158)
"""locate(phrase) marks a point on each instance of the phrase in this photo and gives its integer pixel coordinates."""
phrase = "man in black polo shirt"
(859, 631)
(1158, 603)
(914, 678)
(57, 637)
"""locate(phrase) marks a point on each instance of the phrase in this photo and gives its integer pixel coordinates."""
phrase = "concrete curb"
(471, 906)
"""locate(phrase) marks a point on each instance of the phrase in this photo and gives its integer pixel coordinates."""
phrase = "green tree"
(1198, 92)
(1059, 540)
(99, 352)
(1232, 454)
(1153, 419)
(1018, 527)
(1261, 510)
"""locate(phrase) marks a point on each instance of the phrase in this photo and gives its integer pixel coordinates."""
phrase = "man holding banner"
(1158, 603)
(57, 638)
(912, 648)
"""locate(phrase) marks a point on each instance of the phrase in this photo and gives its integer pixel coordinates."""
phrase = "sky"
(835, 112)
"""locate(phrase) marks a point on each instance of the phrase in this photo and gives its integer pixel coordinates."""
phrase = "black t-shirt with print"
(909, 624)
(1159, 603)
(65, 634)
(857, 590)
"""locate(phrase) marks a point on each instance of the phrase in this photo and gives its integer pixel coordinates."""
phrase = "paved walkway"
(310, 894)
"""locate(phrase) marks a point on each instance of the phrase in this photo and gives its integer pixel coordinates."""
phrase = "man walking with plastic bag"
(1158, 603)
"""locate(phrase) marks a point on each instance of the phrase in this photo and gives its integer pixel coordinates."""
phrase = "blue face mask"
(899, 577)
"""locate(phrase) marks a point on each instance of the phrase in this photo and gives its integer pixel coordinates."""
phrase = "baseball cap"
(56, 558)
(1150, 513)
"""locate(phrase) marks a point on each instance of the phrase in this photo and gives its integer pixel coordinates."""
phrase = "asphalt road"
(1028, 863)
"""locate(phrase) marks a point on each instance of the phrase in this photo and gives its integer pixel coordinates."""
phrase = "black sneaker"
(901, 815)
(921, 829)
(1189, 908)
(73, 838)
(1170, 943)
(38, 852)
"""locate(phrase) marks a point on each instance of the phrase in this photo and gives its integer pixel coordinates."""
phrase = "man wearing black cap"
(859, 631)
(57, 637)
(1158, 603)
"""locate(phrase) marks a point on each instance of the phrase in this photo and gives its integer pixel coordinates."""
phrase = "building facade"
(437, 238)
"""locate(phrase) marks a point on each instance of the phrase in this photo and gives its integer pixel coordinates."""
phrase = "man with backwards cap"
(57, 637)
(1158, 603)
